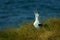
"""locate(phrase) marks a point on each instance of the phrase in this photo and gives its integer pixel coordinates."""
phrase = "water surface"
(14, 12)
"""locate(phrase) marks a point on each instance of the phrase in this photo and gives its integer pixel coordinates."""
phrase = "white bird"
(37, 24)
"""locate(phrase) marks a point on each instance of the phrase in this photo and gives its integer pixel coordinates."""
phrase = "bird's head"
(36, 13)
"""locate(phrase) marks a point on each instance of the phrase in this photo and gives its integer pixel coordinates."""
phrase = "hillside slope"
(51, 31)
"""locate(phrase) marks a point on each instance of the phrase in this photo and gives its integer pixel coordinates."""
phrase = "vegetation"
(26, 31)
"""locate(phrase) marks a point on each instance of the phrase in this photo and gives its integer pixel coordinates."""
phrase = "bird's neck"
(36, 18)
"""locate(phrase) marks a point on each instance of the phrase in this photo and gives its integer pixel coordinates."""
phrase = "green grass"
(27, 31)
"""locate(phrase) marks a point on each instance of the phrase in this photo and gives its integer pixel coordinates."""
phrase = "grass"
(27, 31)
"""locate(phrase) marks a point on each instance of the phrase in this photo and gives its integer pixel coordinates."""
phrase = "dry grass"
(28, 32)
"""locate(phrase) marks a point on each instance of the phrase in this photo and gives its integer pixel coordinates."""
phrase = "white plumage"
(36, 23)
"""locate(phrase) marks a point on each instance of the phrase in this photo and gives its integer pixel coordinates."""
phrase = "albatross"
(36, 23)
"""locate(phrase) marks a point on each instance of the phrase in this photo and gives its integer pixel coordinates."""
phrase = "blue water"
(14, 12)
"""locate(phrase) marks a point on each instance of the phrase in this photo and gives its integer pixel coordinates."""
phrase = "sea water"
(14, 12)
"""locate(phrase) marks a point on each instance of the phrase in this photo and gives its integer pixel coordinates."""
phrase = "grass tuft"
(27, 31)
